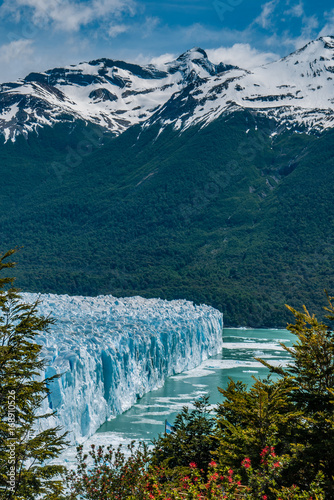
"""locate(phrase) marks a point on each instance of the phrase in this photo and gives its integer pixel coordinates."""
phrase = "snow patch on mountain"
(112, 94)
(296, 91)
(111, 352)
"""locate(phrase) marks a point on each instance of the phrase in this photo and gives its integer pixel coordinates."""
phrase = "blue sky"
(40, 34)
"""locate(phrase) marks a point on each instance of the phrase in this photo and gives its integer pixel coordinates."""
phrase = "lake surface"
(146, 419)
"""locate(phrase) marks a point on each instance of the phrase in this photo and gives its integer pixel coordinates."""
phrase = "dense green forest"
(238, 215)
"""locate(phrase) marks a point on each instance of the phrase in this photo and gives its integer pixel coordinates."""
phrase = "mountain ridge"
(297, 91)
(112, 94)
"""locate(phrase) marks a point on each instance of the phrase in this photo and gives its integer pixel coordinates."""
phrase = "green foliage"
(312, 393)
(113, 476)
(265, 480)
(250, 420)
(24, 449)
(192, 441)
(110, 474)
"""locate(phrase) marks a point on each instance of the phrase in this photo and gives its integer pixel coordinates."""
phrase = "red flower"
(264, 497)
(213, 463)
(192, 465)
(246, 463)
(276, 464)
(230, 472)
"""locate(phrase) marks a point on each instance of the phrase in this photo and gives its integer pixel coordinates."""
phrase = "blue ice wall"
(112, 351)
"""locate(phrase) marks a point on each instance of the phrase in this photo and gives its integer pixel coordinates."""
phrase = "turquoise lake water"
(146, 419)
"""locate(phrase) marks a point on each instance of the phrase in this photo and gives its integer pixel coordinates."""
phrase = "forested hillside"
(238, 215)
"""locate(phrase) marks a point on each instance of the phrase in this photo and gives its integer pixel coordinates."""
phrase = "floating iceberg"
(112, 351)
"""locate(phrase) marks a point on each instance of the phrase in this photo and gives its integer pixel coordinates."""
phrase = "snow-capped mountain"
(295, 91)
(112, 94)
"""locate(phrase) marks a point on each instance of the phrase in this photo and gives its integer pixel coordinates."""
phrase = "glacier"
(111, 351)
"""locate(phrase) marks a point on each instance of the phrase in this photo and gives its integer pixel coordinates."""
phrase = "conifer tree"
(312, 372)
(192, 440)
(250, 420)
(25, 449)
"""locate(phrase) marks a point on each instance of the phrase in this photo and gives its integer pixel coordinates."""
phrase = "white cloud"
(296, 10)
(328, 29)
(309, 31)
(67, 15)
(19, 49)
(158, 61)
(242, 55)
(17, 59)
(265, 18)
(308, 25)
(117, 29)
(151, 23)
(163, 59)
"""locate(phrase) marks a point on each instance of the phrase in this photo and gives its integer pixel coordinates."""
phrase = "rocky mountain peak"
(296, 91)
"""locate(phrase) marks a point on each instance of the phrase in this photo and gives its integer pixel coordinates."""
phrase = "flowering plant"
(264, 482)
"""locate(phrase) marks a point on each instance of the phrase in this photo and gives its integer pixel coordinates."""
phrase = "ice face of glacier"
(111, 351)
